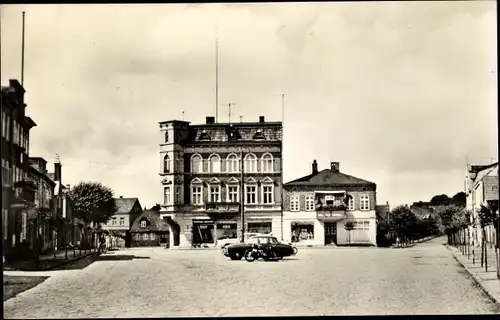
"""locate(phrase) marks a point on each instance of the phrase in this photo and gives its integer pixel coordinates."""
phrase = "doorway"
(330, 233)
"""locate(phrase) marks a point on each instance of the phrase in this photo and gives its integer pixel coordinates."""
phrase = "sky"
(400, 93)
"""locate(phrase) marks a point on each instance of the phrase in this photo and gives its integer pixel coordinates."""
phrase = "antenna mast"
(216, 73)
(22, 53)
(231, 105)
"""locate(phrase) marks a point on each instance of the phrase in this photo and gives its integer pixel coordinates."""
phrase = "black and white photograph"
(249, 159)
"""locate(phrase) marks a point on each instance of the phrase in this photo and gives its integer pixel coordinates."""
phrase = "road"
(424, 279)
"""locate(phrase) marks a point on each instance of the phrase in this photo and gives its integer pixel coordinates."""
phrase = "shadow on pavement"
(87, 261)
(118, 257)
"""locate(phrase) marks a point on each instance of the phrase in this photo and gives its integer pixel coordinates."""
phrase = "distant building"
(481, 183)
(383, 211)
(203, 185)
(149, 230)
(422, 210)
(128, 209)
(17, 191)
(317, 206)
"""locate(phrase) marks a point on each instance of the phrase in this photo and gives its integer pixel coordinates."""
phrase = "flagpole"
(22, 52)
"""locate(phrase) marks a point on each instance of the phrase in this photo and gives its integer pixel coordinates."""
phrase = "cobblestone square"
(424, 279)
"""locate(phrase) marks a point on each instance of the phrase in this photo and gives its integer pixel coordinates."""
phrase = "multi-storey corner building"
(17, 191)
(204, 185)
(481, 185)
(317, 206)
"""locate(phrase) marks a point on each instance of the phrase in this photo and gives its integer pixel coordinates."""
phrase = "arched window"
(267, 163)
(232, 163)
(250, 163)
(196, 164)
(214, 163)
(166, 136)
(166, 164)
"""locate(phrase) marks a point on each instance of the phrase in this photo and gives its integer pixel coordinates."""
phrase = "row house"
(481, 188)
(18, 191)
(317, 206)
(119, 225)
(209, 173)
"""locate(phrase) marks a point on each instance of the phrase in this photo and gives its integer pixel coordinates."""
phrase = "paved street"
(424, 279)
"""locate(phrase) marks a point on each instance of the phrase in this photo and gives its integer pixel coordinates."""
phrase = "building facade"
(209, 173)
(481, 185)
(17, 191)
(149, 230)
(128, 209)
(317, 206)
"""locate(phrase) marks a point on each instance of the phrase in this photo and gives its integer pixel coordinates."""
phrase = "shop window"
(302, 231)
(226, 231)
(260, 227)
(203, 233)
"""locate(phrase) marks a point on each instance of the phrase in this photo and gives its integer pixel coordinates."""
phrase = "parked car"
(237, 251)
(228, 241)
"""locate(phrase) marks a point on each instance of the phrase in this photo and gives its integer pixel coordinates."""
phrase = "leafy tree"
(92, 202)
(459, 199)
(440, 200)
(349, 225)
(156, 207)
(452, 218)
(403, 222)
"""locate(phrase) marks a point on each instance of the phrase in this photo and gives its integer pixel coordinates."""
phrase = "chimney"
(314, 167)
(121, 197)
(262, 119)
(57, 171)
(334, 166)
(210, 120)
(68, 186)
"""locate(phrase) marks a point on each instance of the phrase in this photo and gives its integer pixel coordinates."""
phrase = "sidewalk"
(47, 261)
(487, 280)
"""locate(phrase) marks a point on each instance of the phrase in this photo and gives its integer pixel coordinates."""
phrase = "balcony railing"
(331, 211)
(222, 207)
(333, 207)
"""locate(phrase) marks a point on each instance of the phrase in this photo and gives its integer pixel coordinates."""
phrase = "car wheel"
(233, 257)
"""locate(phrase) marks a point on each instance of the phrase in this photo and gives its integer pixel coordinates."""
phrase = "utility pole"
(281, 167)
(242, 197)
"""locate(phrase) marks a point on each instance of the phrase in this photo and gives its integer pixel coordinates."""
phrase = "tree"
(156, 207)
(403, 223)
(487, 215)
(452, 218)
(459, 199)
(440, 200)
(349, 225)
(92, 202)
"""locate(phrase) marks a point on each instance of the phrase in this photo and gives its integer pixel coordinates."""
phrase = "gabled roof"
(125, 205)
(155, 222)
(328, 177)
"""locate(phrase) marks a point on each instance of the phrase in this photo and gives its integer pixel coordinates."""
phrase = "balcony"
(222, 207)
(328, 212)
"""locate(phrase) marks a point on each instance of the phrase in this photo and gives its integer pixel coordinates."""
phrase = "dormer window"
(204, 135)
(143, 224)
(259, 135)
(233, 134)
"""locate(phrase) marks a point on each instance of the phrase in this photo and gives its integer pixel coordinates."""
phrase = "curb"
(476, 278)
(53, 266)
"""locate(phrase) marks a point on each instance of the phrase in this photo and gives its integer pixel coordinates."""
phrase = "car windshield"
(268, 240)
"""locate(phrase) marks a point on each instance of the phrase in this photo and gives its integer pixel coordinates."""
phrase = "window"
(5, 223)
(122, 221)
(177, 195)
(259, 227)
(232, 163)
(137, 236)
(309, 203)
(166, 136)
(250, 163)
(267, 163)
(364, 202)
(145, 237)
(152, 236)
(232, 192)
(214, 193)
(113, 222)
(196, 195)
(350, 203)
(267, 194)
(302, 231)
(143, 224)
(166, 195)
(196, 164)
(251, 194)
(294, 203)
(214, 163)
(166, 164)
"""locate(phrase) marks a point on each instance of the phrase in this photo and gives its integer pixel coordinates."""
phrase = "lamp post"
(242, 196)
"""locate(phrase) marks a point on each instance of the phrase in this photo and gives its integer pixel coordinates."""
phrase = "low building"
(317, 206)
(118, 226)
(149, 230)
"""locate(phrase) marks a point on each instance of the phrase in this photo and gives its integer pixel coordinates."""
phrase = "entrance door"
(330, 233)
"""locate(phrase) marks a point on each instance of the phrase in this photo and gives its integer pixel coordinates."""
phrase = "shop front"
(203, 232)
(302, 232)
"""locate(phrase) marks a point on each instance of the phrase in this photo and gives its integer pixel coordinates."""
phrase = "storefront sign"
(203, 222)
